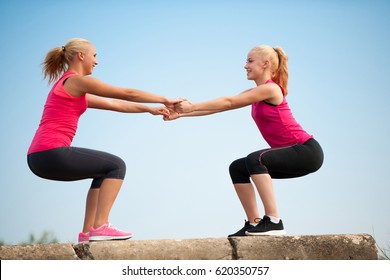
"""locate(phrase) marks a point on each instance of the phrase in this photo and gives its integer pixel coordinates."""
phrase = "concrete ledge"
(54, 251)
(308, 247)
(180, 249)
(305, 247)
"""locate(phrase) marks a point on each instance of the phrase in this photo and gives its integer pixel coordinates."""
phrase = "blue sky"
(177, 183)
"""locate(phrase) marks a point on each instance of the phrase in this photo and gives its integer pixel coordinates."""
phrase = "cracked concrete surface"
(304, 247)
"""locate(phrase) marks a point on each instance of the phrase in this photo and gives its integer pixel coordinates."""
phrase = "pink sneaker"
(83, 237)
(108, 232)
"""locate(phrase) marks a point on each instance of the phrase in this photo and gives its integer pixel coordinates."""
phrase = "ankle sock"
(275, 220)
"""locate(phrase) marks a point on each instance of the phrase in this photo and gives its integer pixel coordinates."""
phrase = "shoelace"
(109, 225)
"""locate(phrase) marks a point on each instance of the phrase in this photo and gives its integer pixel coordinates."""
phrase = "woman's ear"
(80, 56)
(266, 64)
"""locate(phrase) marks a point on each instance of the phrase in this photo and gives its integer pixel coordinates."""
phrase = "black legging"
(279, 163)
(72, 163)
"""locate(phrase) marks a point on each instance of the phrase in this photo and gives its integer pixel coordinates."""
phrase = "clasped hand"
(181, 107)
(173, 108)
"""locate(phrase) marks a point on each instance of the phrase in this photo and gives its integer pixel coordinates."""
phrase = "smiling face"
(255, 66)
(89, 60)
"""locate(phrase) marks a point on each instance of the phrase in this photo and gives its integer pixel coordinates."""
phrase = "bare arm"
(122, 106)
(77, 86)
(269, 92)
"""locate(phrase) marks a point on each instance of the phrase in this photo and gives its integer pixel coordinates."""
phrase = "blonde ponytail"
(278, 64)
(54, 64)
(281, 74)
(57, 59)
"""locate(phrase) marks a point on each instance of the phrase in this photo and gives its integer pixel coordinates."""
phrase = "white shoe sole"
(106, 238)
(271, 232)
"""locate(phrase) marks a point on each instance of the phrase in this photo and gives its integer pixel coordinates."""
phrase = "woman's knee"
(120, 170)
(238, 171)
(114, 167)
(117, 171)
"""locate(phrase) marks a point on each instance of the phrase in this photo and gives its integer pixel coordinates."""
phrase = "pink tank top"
(277, 124)
(59, 119)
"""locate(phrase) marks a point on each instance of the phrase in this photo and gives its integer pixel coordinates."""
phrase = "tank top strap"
(58, 88)
(67, 75)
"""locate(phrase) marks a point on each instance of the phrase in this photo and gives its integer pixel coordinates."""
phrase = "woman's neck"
(77, 69)
(262, 80)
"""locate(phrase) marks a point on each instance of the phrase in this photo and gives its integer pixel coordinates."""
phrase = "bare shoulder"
(76, 82)
(257, 94)
(84, 84)
(273, 93)
(84, 80)
(270, 87)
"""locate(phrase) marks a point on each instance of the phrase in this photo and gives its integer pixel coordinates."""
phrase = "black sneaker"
(266, 227)
(242, 231)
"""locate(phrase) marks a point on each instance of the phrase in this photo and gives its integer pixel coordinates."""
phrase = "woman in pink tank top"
(292, 152)
(51, 155)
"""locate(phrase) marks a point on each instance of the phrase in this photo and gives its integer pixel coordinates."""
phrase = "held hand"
(170, 103)
(184, 107)
(160, 111)
(173, 115)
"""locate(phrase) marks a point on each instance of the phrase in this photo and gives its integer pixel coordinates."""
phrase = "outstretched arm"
(259, 93)
(122, 106)
(78, 86)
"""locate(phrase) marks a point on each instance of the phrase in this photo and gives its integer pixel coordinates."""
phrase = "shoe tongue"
(266, 218)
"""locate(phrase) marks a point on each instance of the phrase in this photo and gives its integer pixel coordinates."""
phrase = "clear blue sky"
(177, 183)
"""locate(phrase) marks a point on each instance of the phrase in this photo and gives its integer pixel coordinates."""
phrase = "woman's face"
(89, 59)
(255, 65)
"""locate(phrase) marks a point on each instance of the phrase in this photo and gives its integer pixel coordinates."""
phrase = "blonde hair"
(278, 61)
(57, 59)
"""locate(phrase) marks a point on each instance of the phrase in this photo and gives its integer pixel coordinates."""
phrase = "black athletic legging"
(279, 163)
(72, 163)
